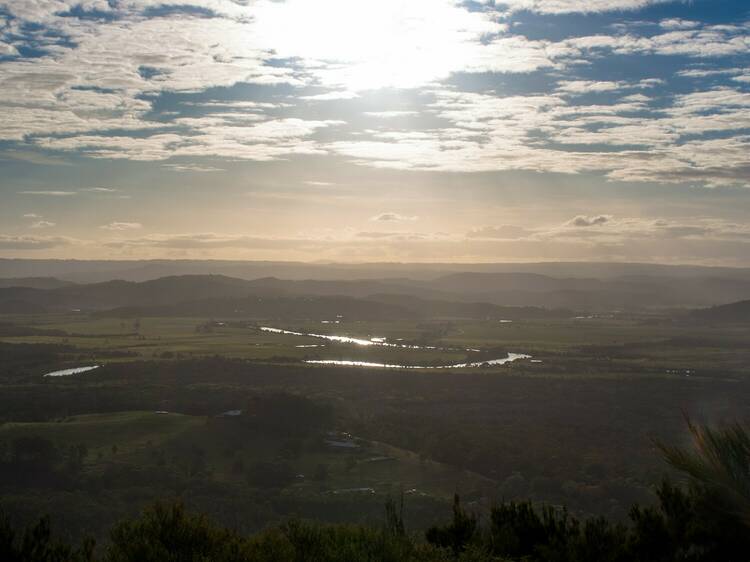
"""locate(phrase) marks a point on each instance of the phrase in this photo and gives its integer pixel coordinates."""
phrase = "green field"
(648, 345)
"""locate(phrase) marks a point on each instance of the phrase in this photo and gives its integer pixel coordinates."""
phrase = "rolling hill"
(734, 313)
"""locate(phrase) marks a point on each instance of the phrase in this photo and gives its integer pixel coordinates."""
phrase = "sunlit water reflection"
(73, 371)
(381, 342)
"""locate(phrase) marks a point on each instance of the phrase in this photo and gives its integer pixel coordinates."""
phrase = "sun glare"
(358, 45)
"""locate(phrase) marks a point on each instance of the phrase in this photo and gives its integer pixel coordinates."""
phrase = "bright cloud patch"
(365, 45)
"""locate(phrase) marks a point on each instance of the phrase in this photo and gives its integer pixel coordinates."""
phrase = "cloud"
(589, 86)
(704, 42)
(90, 79)
(578, 87)
(245, 105)
(393, 217)
(32, 216)
(207, 240)
(122, 226)
(503, 232)
(392, 235)
(677, 23)
(577, 6)
(583, 221)
(42, 224)
(213, 136)
(390, 114)
(331, 96)
(99, 189)
(48, 192)
(7, 50)
(628, 140)
(33, 158)
(635, 98)
(192, 168)
(631, 230)
(8, 242)
(704, 72)
(315, 183)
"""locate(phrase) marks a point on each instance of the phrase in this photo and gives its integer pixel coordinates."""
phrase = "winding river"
(381, 342)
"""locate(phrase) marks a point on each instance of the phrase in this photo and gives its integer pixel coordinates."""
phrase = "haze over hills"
(90, 271)
(34, 282)
(215, 294)
(472, 294)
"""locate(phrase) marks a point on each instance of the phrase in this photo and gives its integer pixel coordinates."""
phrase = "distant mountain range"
(218, 295)
(92, 271)
(461, 294)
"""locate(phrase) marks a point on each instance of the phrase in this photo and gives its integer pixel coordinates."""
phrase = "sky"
(351, 130)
